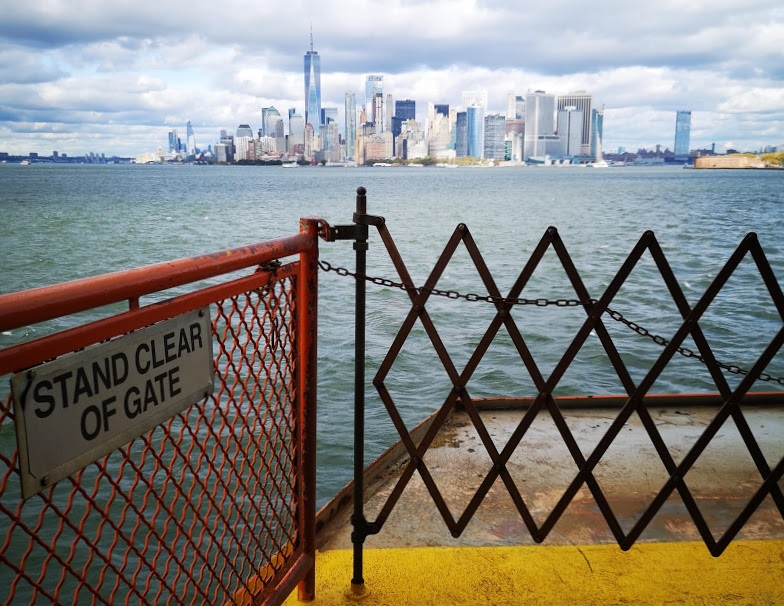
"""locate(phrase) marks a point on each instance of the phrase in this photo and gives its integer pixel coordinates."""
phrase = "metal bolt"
(45, 481)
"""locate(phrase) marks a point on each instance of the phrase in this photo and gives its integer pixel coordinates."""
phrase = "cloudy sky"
(115, 76)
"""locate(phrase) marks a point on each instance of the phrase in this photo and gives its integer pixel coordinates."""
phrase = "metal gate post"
(307, 364)
(358, 518)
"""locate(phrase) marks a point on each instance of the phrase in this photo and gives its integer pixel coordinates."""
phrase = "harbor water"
(66, 222)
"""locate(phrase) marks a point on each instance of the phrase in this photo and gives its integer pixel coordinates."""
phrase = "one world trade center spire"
(312, 86)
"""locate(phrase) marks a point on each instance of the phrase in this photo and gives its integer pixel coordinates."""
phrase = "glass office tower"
(312, 86)
(682, 133)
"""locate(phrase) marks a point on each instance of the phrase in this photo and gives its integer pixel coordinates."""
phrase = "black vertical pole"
(358, 518)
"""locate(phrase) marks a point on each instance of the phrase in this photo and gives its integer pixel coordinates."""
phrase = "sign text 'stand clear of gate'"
(73, 410)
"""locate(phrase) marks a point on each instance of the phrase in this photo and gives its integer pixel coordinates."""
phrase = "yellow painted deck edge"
(748, 572)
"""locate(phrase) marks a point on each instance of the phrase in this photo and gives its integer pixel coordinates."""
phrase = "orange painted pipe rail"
(47, 302)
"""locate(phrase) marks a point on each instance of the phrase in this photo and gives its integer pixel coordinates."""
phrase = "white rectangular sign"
(81, 406)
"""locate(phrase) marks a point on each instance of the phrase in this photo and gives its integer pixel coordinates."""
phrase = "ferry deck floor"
(414, 559)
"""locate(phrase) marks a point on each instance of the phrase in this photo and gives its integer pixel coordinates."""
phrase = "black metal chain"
(541, 302)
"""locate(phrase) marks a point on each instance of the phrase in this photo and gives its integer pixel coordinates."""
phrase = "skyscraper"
(441, 108)
(405, 110)
(243, 130)
(296, 143)
(461, 135)
(570, 126)
(190, 139)
(264, 111)
(475, 131)
(312, 86)
(597, 132)
(273, 123)
(174, 141)
(682, 133)
(374, 85)
(540, 139)
(495, 129)
(581, 101)
(329, 114)
(350, 132)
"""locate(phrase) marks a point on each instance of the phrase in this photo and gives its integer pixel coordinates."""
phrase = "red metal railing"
(214, 505)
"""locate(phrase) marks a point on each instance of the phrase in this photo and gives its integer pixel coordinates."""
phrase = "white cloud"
(94, 70)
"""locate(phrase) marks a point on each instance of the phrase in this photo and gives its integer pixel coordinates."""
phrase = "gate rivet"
(45, 481)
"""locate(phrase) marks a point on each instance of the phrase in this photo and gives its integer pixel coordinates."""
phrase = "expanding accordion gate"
(214, 504)
(636, 399)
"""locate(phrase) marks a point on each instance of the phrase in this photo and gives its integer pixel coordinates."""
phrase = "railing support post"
(307, 339)
(358, 518)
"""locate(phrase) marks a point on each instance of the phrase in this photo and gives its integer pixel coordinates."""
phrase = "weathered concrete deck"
(414, 559)
(630, 475)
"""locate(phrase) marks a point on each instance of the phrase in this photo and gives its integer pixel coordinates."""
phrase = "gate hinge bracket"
(330, 233)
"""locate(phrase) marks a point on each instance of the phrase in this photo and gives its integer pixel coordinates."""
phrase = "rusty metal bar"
(47, 302)
(27, 354)
(307, 380)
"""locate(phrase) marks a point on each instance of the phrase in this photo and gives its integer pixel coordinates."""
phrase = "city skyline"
(116, 79)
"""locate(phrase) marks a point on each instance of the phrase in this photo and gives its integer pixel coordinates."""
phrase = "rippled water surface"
(64, 222)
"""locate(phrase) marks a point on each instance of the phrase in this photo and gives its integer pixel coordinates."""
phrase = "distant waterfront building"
(540, 138)
(461, 135)
(264, 112)
(378, 146)
(190, 139)
(273, 125)
(222, 153)
(388, 113)
(374, 85)
(438, 135)
(581, 101)
(329, 114)
(350, 131)
(243, 130)
(441, 108)
(174, 141)
(309, 136)
(378, 112)
(682, 133)
(331, 145)
(475, 131)
(405, 110)
(494, 134)
(597, 133)
(244, 148)
(296, 144)
(312, 86)
(515, 107)
(410, 144)
(570, 127)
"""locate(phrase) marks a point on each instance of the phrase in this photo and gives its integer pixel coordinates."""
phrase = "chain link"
(541, 302)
